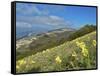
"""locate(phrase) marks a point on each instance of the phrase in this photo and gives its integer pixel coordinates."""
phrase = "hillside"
(82, 31)
(34, 44)
(79, 53)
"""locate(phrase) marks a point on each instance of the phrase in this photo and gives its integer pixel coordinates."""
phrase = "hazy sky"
(53, 16)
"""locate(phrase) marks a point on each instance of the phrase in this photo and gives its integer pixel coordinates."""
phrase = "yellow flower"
(77, 43)
(80, 44)
(21, 62)
(17, 67)
(94, 42)
(84, 50)
(58, 60)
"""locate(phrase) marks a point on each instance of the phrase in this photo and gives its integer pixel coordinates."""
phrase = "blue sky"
(53, 16)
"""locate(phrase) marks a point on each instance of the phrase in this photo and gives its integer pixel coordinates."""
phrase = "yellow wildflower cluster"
(83, 47)
(94, 42)
(19, 63)
(17, 67)
(22, 62)
(58, 60)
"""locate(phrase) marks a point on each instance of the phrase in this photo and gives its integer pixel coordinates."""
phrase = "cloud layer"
(29, 15)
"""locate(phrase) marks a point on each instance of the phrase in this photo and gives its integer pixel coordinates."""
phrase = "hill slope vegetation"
(31, 45)
(79, 53)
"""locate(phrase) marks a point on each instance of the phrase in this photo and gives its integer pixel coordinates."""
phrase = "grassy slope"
(67, 56)
(42, 42)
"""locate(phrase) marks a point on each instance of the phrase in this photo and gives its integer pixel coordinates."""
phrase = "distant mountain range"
(24, 32)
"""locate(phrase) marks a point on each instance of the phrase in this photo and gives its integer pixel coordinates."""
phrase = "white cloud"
(44, 20)
(23, 24)
(29, 9)
(55, 17)
(38, 17)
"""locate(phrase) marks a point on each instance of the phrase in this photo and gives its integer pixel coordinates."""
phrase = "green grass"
(67, 56)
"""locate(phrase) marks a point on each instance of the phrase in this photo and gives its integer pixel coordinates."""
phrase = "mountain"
(34, 44)
(22, 32)
(82, 31)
